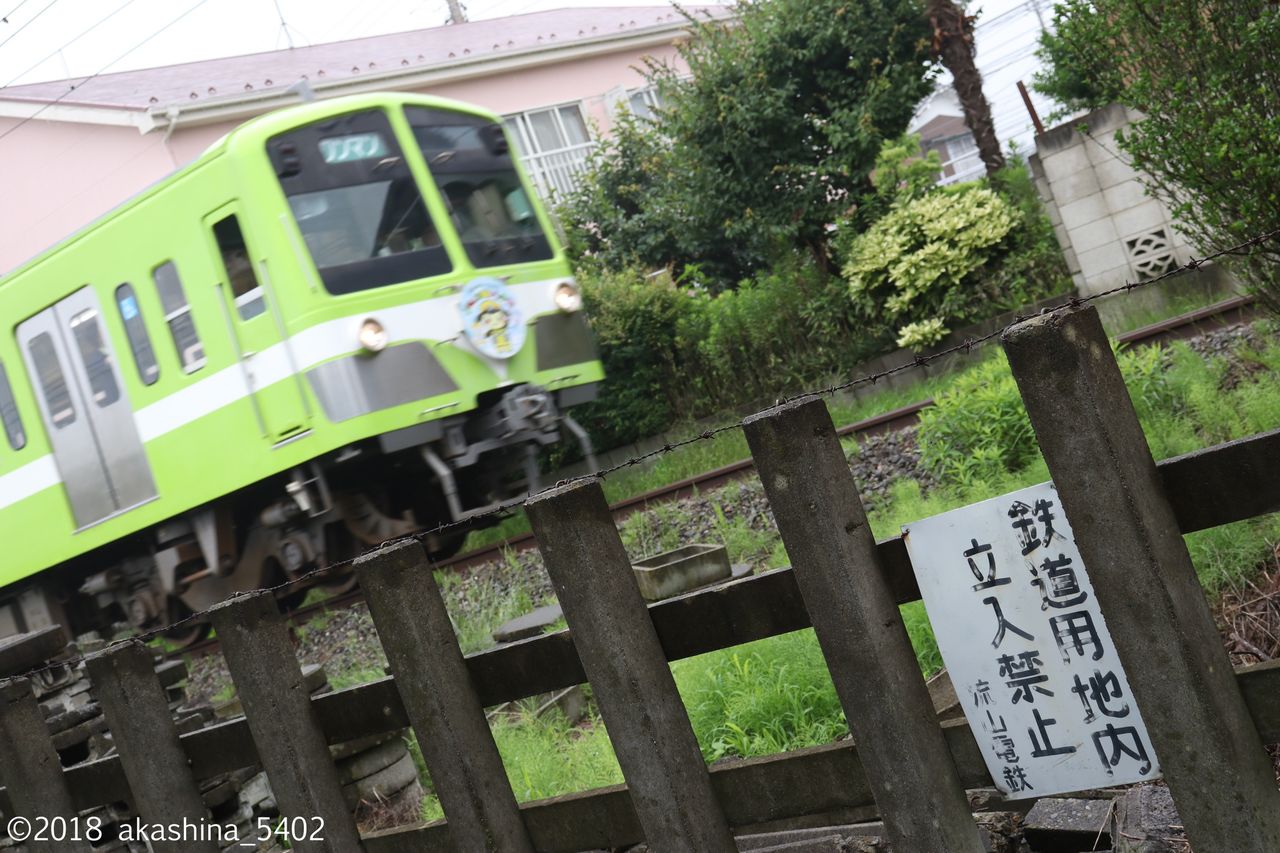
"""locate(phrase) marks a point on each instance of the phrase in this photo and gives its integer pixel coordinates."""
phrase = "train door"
(256, 329)
(85, 409)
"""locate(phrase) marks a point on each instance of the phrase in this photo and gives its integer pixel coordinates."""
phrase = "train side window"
(9, 413)
(177, 313)
(53, 384)
(235, 260)
(95, 357)
(136, 331)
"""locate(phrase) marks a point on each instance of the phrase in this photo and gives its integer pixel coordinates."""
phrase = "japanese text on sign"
(1028, 651)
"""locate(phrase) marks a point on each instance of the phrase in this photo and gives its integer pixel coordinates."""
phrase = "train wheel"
(339, 581)
(184, 634)
(291, 599)
(443, 547)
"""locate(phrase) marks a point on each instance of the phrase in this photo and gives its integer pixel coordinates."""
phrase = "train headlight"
(568, 297)
(372, 336)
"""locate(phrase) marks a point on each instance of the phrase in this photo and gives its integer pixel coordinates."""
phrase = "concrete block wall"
(1109, 228)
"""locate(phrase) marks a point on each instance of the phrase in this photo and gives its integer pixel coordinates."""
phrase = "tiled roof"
(345, 60)
(937, 128)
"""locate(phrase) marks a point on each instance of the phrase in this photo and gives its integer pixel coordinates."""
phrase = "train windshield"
(356, 203)
(471, 162)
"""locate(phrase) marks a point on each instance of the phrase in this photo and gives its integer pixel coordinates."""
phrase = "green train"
(345, 321)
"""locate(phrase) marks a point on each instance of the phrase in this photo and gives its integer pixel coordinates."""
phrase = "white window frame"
(554, 170)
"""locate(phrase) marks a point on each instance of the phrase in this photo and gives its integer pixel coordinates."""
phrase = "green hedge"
(675, 350)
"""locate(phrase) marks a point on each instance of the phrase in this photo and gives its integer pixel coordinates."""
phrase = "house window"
(960, 159)
(554, 144)
(645, 102)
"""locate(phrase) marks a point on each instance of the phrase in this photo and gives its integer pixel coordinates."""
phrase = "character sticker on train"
(492, 321)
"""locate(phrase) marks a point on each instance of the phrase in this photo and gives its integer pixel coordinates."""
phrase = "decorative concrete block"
(1112, 171)
(1060, 165)
(1142, 218)
(1103, 260)
(1099, 232)
(1064, 239)
(1084, 211)
(1073, 262)
(1124, 196)
(1079, 184)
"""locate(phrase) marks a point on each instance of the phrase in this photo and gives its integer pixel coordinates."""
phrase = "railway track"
(1224, 313)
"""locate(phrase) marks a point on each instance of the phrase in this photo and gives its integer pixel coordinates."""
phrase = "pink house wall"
(56, 177)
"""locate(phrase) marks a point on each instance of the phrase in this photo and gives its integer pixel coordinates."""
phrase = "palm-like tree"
(953, 44)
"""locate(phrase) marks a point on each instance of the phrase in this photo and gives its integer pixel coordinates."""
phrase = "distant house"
(557, 77)
(948, 135)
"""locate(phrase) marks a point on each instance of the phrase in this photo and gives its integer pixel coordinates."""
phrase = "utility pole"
(456, 13)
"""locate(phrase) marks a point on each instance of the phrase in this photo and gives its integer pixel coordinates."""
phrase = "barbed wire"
(964, 347)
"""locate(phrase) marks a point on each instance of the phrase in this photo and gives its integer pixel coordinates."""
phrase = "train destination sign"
(1027, 648)
(355, 146)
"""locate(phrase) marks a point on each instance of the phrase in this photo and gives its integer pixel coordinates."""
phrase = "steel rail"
(1226, 312)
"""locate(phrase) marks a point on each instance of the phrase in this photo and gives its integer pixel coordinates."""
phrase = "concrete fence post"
(855, 616)
(629, 674)
(444, 710)
(286, 732)
(1206, 742)
(29, 764)
(164, 791)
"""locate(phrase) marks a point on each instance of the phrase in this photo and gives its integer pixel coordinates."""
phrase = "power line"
(91, 27)
(29, 22)
(283, 26)
(71, 89)
(1015, 10)
(13, 11)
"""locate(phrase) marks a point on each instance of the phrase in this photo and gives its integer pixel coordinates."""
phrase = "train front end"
(439, 330)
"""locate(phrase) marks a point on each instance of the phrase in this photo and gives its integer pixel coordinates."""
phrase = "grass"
(548, 756)
(761, 698)
(477, 608)
(1135, 313)
(728, 447)
(344, 678)
(723, 449)
(776, 694)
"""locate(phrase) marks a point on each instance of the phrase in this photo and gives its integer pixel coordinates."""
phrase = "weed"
(225, 694)
(549, 756)
(768, 696)
(477, 605)
(355, 677)
(776, 694)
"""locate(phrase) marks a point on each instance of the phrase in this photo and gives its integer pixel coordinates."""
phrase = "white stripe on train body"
(435, 319)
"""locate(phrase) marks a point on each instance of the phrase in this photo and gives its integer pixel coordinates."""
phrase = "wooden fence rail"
(1127, 513)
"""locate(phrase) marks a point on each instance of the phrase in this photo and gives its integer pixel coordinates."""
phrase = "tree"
(771, 139)
(1204, 78)
(953, 45)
